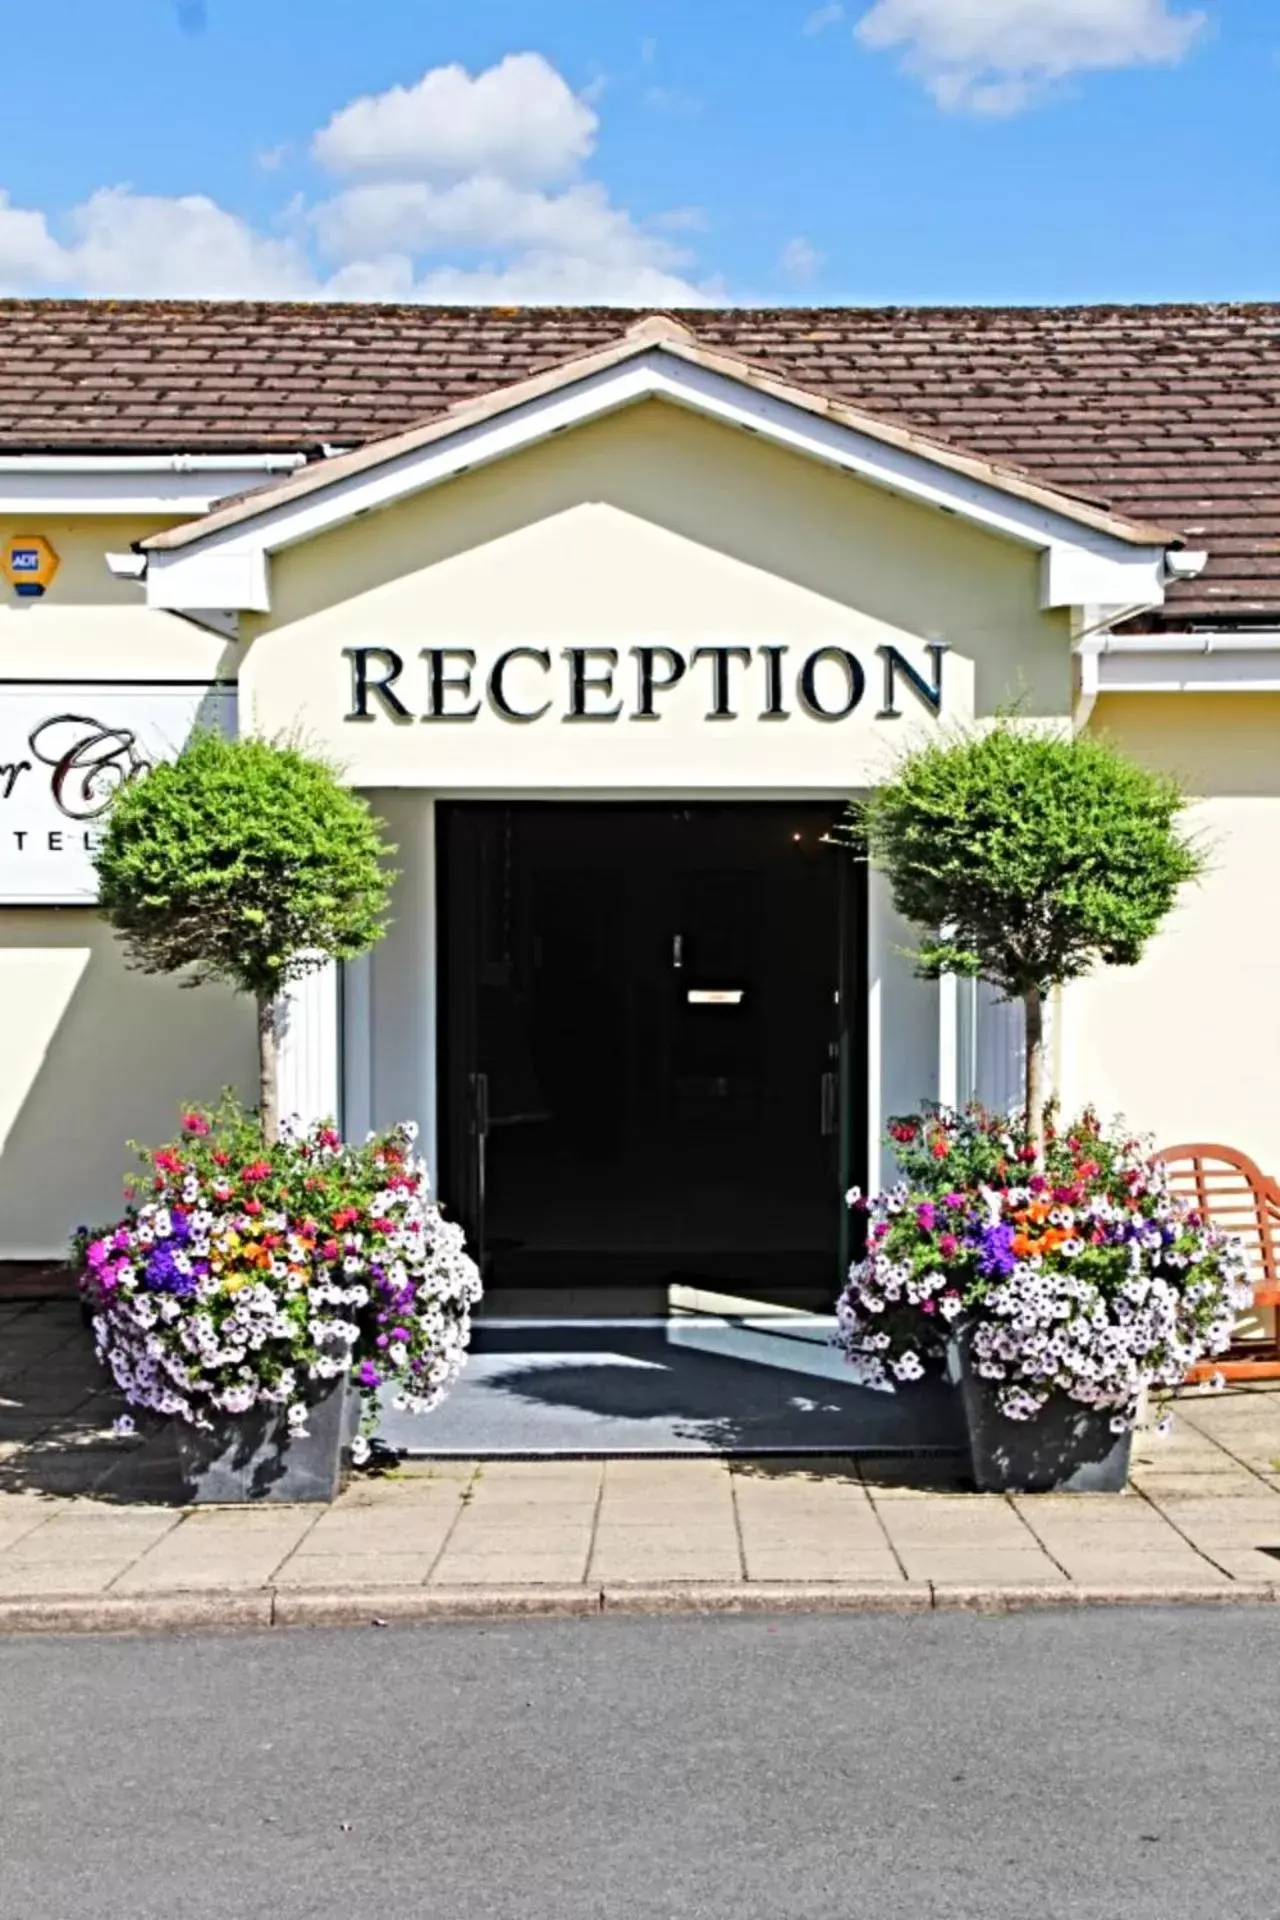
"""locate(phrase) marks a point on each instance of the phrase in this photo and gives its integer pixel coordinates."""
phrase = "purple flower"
(926, 1216)
(997, 1250)
(163, 1274)
(400, 1333)
(953, 1200)
(368, 1374)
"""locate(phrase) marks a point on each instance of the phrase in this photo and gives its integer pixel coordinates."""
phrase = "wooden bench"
(1233, 1193)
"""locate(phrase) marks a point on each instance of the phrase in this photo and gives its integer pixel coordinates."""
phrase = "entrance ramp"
(689, 1382)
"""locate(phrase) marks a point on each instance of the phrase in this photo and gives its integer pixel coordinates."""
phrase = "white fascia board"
(182, 485)
(1102, 569)
(230, 576)
(1092, 571)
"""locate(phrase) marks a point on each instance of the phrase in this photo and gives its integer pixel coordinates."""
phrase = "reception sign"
(65, 751)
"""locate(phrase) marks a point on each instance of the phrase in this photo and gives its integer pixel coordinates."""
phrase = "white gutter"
(176, 486)
(1222, 661)
(151, 462)
(1256, 640)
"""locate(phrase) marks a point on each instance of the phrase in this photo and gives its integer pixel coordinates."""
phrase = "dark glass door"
(650, 1065)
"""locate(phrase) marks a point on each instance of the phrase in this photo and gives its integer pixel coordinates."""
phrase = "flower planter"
(1066, 1448)
(253, 1456)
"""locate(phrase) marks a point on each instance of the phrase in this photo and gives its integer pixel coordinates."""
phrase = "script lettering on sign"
(90, 762)
(65, 752)
(597, 684)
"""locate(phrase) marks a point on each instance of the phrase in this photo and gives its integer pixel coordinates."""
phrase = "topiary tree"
(244, 861)
(1032, 859)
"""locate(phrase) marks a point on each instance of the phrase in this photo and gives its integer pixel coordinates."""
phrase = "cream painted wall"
(650, 526)
(91, 1056)
(1187, 1044)
(90, 625)
(903, 1028)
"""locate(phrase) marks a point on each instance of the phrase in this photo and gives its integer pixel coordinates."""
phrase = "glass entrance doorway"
(651, 1039)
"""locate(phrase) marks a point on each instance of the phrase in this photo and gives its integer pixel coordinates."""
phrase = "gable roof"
(675, 341)
(1167, 413)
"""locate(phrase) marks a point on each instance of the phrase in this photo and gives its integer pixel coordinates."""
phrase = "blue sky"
(646, 151)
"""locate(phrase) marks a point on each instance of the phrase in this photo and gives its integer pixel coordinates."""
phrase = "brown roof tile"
(1166, 413)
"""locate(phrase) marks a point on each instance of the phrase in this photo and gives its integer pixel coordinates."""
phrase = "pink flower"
(194, 1123)
(948, 1246)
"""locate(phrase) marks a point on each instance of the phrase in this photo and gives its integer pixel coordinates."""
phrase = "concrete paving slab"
(226, 1547)
(83, 1575)
(953, 1566)
(355, 1570)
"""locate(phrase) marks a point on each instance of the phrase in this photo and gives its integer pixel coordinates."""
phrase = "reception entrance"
(651, 1035)
(652, 1043)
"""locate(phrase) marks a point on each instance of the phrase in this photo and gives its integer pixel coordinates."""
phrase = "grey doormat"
(690, 1384)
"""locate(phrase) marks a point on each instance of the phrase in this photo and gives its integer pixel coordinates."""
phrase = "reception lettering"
(595, 684)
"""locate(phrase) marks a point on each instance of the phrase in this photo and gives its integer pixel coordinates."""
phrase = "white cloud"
(451, 194)
(996, 56)
(124, 243)
(28, 251)
(519, 120)
(823, 17)
(413, 216)
(800, 259)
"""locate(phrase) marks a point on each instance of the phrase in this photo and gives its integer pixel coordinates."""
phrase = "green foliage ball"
(245, 861)
(1028, 858)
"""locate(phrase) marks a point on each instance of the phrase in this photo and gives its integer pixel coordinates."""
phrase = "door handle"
(829, 1104)
(480, 1105)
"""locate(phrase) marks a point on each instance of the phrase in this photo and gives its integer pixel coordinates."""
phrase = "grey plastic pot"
(253, 1457)
(1066, 1448)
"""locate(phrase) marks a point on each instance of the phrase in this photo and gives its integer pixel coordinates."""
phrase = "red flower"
(903, 1131)
(329, 1251)
(271, 1240)
(194, 1123)
(220, 1159)
(167, 1160)
(1026, 1155)
(941, 1148)
(330, 1139)
(345, 1217)
(256, 1170)
(253, 1206)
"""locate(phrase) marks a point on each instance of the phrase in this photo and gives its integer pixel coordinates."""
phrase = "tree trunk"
(1034, 1007)
(268, 1079)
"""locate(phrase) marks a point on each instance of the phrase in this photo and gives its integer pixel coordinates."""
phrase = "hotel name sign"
(526, 684)
(65, 751)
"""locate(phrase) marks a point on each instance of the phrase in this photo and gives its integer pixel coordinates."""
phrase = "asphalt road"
(1113, 1764)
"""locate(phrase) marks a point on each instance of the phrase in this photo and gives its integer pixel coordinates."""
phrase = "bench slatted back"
(1233, 1193)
